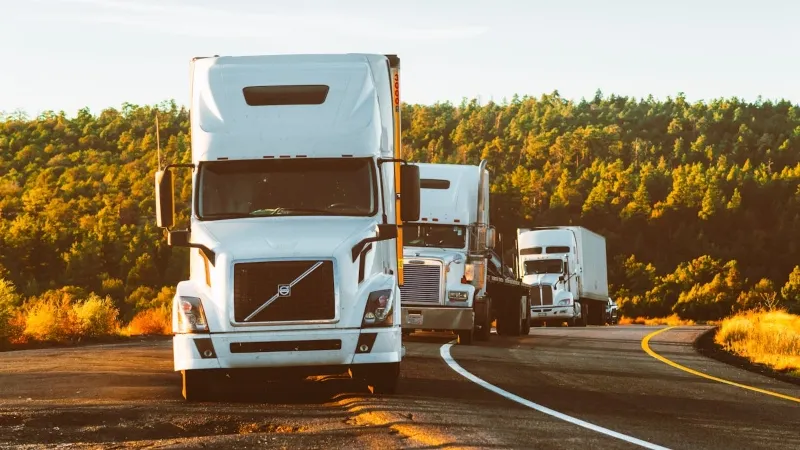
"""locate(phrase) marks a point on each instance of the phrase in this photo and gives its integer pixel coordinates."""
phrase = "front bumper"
(283, 349)
(437, 318)
(553, 313)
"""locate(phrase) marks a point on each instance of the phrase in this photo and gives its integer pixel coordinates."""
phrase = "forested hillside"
(699, 202)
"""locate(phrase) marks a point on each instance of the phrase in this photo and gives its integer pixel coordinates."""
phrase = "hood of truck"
(443, 254)
(286, 237)
(542, 278)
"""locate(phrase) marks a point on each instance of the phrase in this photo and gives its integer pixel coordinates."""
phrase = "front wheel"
(465, 336)
(484, 329)
(381, 379)
(198, 385)
(526, 322)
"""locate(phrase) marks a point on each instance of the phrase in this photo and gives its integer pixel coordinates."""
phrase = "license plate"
(414, 320)
(542, 314)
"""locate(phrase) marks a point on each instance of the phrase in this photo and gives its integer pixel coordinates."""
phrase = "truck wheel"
(584, 315)
(484, 329)
(198, 385)
(526, 322)
(596, 314)
(381, 379)
(510, 321)
(465, 336)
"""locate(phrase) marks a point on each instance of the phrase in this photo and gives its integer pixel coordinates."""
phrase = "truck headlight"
(457, 296)
(378, 311)
(564, 302)
(191, 316)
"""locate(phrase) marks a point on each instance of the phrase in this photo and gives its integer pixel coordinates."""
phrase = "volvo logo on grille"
(284, 290)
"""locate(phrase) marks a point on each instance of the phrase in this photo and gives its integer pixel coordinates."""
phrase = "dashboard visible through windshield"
(287, 187)
(434, 235)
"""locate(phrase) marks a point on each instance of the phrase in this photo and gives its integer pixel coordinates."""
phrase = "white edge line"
(445, 353)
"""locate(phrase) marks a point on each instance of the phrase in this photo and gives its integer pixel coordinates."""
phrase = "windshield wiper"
(284, 211)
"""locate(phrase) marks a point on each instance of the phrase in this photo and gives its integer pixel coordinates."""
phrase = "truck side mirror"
(491, 237)
(410, 193)
(165, 204)
(387, 231)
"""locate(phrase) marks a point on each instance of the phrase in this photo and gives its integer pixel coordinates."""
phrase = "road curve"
(570, 384)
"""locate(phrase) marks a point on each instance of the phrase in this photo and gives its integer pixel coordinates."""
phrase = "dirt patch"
(98, 424)
(706, 346)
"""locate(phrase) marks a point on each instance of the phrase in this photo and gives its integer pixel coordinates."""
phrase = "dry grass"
(59, 316)
(151, 321)
(771, 338)
(62, 319)
(672, 321)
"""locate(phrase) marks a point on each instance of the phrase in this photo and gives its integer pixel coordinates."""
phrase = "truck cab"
(445, 250)
(567, 267)
(298, 190)
(544, 259)
(455, 281)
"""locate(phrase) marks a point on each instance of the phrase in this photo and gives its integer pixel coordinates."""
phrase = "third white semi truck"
(568, 268)
(454, 281)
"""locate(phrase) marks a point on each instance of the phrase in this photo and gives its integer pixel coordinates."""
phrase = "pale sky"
(69, 54)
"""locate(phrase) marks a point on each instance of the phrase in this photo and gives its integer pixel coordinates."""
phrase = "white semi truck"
(454, 281)
(298, 191)
(567, 265)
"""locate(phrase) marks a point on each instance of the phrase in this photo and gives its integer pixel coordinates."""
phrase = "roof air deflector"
(312, 94)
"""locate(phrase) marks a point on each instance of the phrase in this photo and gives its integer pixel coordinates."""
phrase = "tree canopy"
(699, 202)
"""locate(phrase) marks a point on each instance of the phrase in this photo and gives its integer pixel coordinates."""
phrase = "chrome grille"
(308, 291)
(542, 295)
(421, 283)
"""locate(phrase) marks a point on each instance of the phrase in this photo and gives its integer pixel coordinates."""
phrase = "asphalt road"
(582, 388)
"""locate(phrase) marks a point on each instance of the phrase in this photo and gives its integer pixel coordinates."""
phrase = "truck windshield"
(287, 187)
(444, 236)
(544, 266)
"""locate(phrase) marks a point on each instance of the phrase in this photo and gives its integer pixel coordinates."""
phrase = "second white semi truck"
(567, 266)
(298, 194)
(454, 281)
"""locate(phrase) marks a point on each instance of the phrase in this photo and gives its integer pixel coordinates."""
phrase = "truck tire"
(484, 330)
(526, 322)
(465, 336)
(198, 385)
(381, 379)
(584, 315)
(596, 313)
(509, 323)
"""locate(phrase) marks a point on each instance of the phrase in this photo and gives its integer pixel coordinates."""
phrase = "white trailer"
(454, 280)
(568, 265)
(298, 190)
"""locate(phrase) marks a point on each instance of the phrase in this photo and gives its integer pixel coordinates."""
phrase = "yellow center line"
(649, 351)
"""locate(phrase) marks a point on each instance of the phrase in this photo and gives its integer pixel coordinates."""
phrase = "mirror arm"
(393, 160)
(209, 254)
(359, 247)
(385, 232)
(168, 166)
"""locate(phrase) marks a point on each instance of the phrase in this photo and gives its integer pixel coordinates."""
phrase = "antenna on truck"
(158, 142)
